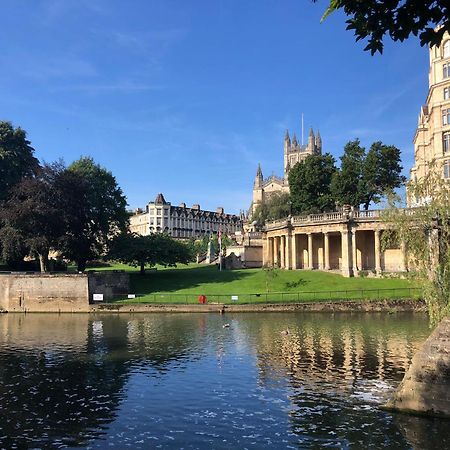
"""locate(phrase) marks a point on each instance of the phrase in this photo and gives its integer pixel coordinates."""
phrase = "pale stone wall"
(20, 292)
(433, 129)
(425, 388)
(44, 292)
(251, 256)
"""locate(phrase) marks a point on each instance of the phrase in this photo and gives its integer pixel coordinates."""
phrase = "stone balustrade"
(324, 218)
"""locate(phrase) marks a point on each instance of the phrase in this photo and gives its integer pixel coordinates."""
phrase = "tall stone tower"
(258, 192)
(293, 153)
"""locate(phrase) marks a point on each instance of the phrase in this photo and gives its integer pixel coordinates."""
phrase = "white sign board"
(98, 297)
(234, 298)
(131, 295)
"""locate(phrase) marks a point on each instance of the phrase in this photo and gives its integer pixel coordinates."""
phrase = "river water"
(184, 381)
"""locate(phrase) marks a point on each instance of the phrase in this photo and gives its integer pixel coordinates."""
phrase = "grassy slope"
(198, 279)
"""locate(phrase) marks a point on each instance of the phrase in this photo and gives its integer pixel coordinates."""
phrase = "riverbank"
(387, 305)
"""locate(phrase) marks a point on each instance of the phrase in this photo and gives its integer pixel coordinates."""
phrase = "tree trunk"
(81, 265)
(43, 262)
(142, 271)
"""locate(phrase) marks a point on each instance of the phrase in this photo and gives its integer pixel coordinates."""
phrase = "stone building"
(293, 153)
(348, 242)
(180, 221)
(432, 137)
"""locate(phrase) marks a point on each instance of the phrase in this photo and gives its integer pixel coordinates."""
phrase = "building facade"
(348, 242)
(182, 222)
(294, 152)
(432, 137)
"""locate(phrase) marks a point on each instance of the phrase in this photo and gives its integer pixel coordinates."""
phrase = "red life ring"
(202, 299)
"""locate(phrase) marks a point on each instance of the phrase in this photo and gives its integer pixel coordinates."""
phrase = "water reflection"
(184, 381)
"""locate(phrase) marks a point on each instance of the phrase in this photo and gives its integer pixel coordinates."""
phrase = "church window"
(447, 49)
(446, 70)
(447, 168)
(446, 117)
(446, 142)
(446, 93)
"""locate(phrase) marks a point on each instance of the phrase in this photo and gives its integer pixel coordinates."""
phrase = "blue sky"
(186, 97)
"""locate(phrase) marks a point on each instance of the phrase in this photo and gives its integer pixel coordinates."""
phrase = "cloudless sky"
(186, 97)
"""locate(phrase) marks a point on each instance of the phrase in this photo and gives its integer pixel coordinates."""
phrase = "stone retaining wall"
(42, 292)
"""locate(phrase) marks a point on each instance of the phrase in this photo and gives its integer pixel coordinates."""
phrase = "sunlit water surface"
(185, 381)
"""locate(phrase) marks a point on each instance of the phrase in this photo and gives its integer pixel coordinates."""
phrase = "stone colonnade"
(347, 249)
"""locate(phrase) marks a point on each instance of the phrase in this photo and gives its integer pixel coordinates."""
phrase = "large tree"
(101, 213)
(347, 185)
(310, 184)
(16, 157)
(381, 173)
(147, 251)
(398, 19)
(33, 216)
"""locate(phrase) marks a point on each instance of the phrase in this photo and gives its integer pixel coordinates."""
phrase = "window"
(446, 93)
(447, 49)
(446, 142)
(446, 70)
(446, 117)
(447, 168)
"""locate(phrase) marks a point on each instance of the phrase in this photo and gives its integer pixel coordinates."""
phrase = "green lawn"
(185, 283)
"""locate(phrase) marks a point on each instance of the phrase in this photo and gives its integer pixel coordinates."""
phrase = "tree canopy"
(141, 251)
(276, 206)
(310, 184)
(347, 183)
(34, 217)
(374, 20)
(101, 213)
(363, 177)
(16, 157)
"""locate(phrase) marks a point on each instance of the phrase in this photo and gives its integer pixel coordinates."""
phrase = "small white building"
(182, 222)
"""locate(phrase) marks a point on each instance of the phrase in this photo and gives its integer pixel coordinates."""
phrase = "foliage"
(16, 157)
(101, 213)
(142, 251)
(347, 185)
(374, 19)
(276, 206)
(33, 214)
(425, 234)
(366, 177)
(381, 173)
(12, 248)
(310, 184)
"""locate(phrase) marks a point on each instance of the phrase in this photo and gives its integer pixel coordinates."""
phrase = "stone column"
(289, 238)
(346, 244)
(270, 258)
(276, 248)
(283, 251)
(326, 250)
(310, 251)
(294, 250)
(354, 253)
(377, 234)
(265, 251)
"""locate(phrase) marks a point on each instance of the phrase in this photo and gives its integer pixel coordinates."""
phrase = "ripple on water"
(183, 381)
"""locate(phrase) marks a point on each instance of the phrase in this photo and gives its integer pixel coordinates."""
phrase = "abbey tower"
(294, 152)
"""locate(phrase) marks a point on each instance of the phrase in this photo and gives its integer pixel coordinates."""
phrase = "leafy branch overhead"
(398, 19)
